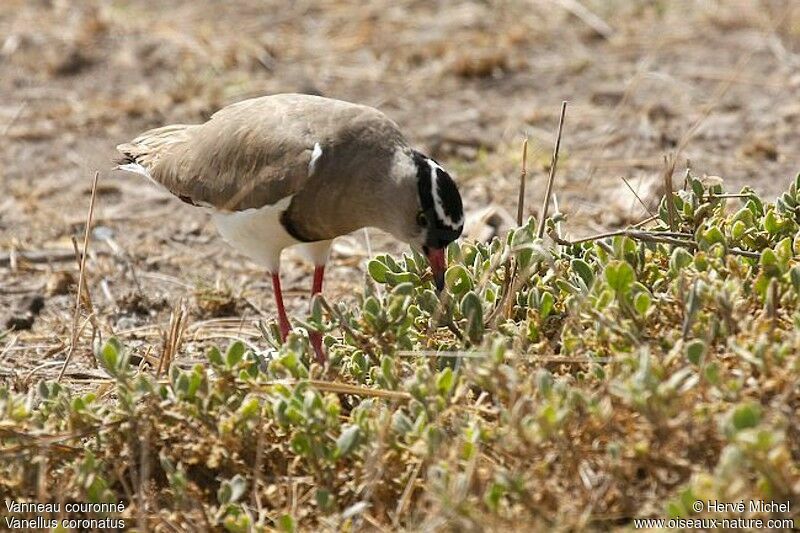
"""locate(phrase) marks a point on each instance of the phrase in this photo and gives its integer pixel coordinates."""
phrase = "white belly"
(259, 234)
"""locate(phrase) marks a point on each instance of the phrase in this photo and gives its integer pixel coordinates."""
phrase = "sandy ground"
(715, 83)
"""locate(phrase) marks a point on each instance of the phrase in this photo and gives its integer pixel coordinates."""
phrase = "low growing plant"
(555, 383)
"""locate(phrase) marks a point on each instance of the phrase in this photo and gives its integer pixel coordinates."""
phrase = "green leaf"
(738, 229)
(387, 371)
(620, 276)
(642, 303)
(286, 524)
(583, 270)
(746, 416)
(701, 261)
(445, 381)
(236, 521)
(493, 496)
(755, 205)
(401, 423)
(224, 493)
(714, 235)
(215, 356)
(544, 381)
(249, 408)
(316, 309)
(695, 350)
(697, 187)
(604, 299)
(392, 264)
(347, 441)
(112, 357)
(457, 279)
(234, 354)
(794, 275)
(546, 304)
(783, 252)
(472, 310)
(44, 389)
(377, 270)
(301, 444)
(405, 289)
(745, 216)
(393, 278)
(324, 499)
(771, 223)
(768, 258)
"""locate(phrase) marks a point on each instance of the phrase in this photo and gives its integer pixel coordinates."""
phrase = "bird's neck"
(321, 215)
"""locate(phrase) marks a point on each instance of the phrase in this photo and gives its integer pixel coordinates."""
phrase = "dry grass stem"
(523, 173)
(173, 338)
(669, 169)
(551, 178)
(588, 17)
(82, 267)
(641, 202)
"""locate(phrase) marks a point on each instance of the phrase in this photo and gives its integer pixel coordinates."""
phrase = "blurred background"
(711, 83)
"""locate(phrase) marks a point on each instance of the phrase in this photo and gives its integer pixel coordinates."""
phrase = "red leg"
(283, 320)
(319, 272)
(315, 336)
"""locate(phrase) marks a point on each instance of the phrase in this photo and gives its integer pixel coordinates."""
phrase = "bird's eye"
(422, 220)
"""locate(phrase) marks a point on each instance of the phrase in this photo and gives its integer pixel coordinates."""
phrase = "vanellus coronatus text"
(293, 170)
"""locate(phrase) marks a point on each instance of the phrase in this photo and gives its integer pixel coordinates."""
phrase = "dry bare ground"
(711, 83)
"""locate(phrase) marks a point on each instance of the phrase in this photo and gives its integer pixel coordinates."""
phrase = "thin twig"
(523, 173)
(14, 118)
(551, 178)
(173, 338)
(406, 495)
(339, 388)
(667, 237)
(634, 234)
(728, 195)
(87, 297)
(587, 17)
(8, 346)
(669, 194)
(77, 313)
(645, 221)
(40, 256)
(649, 212)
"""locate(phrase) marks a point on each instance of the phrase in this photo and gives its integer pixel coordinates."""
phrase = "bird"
(296, 171)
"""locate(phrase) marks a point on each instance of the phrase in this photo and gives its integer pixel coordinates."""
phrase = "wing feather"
(250, 154)
(260, 151)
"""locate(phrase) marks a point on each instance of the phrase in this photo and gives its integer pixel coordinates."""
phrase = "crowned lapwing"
(293, 170)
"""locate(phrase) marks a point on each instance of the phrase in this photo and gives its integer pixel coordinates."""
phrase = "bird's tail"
(142, 154)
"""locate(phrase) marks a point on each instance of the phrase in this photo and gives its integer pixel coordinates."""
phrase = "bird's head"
(439, 215)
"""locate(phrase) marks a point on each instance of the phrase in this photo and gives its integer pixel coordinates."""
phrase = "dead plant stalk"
(81, 281)
(523, 173)
(551, 178)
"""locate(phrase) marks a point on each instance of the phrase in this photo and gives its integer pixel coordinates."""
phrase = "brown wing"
(249, 154)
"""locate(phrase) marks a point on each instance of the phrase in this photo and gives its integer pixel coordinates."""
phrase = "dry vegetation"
(612, 379)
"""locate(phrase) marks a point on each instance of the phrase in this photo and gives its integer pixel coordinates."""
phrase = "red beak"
(438, 266)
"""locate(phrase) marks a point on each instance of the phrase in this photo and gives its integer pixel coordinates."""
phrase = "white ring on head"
(437, 202)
